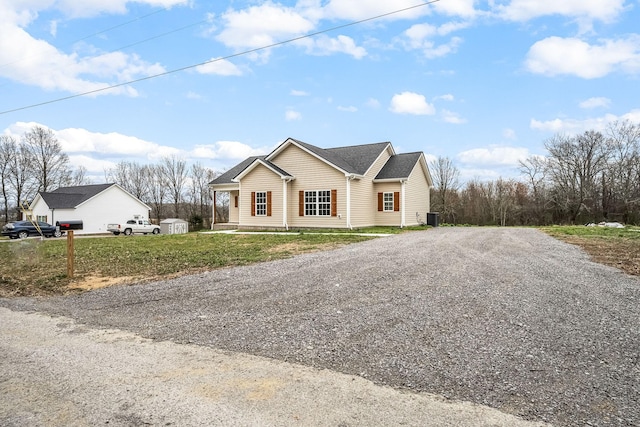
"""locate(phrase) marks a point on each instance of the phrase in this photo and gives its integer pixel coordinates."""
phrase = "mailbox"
(69, 225)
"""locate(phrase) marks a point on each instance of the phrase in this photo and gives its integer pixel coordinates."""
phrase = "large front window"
(317, 203)
(261, 203)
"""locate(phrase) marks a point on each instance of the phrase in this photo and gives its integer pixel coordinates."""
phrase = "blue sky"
(482, 82)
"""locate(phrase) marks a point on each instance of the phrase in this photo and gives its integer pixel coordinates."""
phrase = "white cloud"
(260, 26)
(598, 102)
(373, 103)
(557, 56)
(323, 45)
(574, 126)
(419, 37)
(78, 141)
(291, 115)
(36, 62)
(349, 109)
(298, 93)
(221, 67)
(445, 97)
(95, 167)
(494, 156)
(585, 11)
(363, 9)
(411, 103)
(463, 8)
(480, 174)
(453, 118)
(227, 150)
(88, 8)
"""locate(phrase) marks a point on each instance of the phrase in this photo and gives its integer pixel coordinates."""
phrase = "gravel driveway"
(508, 318)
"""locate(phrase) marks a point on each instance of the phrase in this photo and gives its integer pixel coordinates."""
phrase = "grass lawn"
(616, 247)
(38, 267)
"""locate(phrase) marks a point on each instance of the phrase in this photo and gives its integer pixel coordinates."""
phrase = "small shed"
(174, 226)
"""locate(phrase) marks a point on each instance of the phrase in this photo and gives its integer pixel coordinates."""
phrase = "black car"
(24, 229)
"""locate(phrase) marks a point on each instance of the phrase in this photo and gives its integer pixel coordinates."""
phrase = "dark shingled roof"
(227, 177)
(399, 166)
(71, 197)
(355, 159)
(360, 157)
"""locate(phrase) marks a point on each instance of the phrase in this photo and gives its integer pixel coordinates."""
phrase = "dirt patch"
(619, 253)
(89, 283)
(296, 248)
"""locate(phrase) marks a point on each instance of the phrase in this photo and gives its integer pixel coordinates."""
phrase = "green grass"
(590, 232)
(38, 267)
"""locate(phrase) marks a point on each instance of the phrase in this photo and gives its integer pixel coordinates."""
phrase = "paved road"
(508, 318)
(55, 372)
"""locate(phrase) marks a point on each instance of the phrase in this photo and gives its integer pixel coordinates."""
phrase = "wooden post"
(70, 254)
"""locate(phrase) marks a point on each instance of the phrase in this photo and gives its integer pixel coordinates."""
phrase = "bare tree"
(199, 194)
(534, 169)
(621, 184)
(133, 177)
(575, 163)
(446, 183)
(79, 176)
(23, 184)
(8, 151)
(157, 191)
(174, 170)
(51, 165)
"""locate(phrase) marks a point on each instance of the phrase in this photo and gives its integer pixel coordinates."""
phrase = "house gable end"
(267, 164)
(321, 154)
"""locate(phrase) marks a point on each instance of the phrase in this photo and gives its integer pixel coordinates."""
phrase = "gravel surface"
(508, 318)
(61, 373)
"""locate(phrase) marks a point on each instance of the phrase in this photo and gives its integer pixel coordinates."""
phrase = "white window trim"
(260, 205)
(317, 204)
(385, 201)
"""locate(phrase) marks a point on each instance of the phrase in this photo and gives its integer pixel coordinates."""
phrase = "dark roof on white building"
(71, 197)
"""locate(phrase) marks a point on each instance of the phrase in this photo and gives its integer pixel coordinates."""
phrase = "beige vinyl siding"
(312, 174)
(417, 196)
(260, 179)
(382, 217)
(364, 202)
(234, 212)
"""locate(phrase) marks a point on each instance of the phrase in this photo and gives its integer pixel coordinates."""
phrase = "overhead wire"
(223, 58)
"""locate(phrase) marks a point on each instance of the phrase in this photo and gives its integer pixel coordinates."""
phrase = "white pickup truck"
(134, 226)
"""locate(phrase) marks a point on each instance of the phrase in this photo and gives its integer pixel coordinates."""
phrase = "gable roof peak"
(352, 159)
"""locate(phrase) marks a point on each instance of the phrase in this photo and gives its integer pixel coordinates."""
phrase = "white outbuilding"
(174, 226)
(95, 205)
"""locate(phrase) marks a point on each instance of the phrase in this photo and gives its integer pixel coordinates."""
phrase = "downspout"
(285, 210)
(349, 179)
(213, 208)
(402, 204)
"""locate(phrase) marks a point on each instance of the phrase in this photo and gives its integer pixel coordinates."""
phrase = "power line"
(246, 52)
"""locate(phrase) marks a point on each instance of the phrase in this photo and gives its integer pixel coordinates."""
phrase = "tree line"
(584, 178)
(589, 177)
(36, 163)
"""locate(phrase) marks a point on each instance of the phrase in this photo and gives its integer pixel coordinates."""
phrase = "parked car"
(24, 229)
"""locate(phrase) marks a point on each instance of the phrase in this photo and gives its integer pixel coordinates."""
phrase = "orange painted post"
(70, 254)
